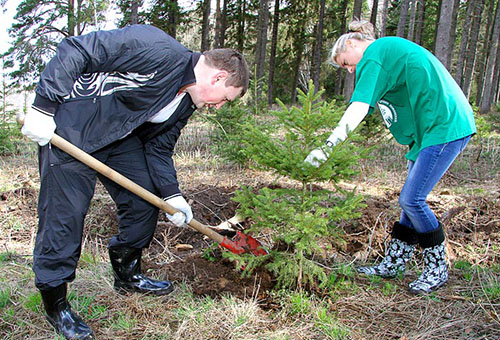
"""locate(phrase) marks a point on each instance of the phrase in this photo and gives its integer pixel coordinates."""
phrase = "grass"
(5, 296)
(349, 307)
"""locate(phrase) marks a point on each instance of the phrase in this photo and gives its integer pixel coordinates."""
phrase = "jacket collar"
(189, 77)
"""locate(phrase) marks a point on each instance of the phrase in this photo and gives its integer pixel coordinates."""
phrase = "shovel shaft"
(118, 178)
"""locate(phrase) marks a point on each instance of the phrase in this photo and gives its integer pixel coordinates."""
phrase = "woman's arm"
(352, 117)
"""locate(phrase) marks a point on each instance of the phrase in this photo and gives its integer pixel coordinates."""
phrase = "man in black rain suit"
(123, 96)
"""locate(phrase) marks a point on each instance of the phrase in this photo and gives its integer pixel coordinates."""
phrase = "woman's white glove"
(39, 125)
(316, 157)
(184, 215)
(352, 117)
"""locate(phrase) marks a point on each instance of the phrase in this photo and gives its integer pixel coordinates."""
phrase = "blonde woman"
(424, 108)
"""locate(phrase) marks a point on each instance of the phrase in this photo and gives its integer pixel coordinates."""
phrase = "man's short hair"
(231, 61)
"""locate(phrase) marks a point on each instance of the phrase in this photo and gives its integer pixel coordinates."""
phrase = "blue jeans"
(423, 174)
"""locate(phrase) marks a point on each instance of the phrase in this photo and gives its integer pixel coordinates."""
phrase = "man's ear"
(220, 75)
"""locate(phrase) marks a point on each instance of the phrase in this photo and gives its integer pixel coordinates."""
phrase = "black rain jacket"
(104, 85)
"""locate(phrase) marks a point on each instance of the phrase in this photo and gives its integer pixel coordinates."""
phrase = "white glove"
(353, 116)
(184, 215)
(316, 157)
(39, 125)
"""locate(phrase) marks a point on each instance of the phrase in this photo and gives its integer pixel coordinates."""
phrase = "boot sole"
(123, 290)
(89, 336)
(379, 275)
(423, 292)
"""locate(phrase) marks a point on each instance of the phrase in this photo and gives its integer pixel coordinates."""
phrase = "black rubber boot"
(126, 264)
(61, 317)
(399, 251)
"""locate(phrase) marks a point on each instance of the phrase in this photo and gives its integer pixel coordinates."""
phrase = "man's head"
(221, 76)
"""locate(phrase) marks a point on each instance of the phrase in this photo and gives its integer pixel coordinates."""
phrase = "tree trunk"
(318, 47)
(71, 18)
(383, 25)
(403, 18)
(413, 19)
(260, 50)
(419, 29)
(471, 47)
(483, 57)
(223, 24)
(217, 25)
(373, 15)
(78, 27)
(173, 18)
(296, 71)
(350, 78)
(339, 75)
(241, 25)
(464, 41)
(134, 13)
(205, 26)
(356, 10)
(494, 91)
(444, 33)
(300, 36)
(487, 98)
(274, 45)
(453, 32)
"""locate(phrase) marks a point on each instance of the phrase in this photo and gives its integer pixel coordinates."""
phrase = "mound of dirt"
(209, 275)
(216, 275)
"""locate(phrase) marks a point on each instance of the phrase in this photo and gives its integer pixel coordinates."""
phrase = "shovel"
(239, 244)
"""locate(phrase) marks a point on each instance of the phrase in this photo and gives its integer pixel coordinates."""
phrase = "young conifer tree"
(299, 216)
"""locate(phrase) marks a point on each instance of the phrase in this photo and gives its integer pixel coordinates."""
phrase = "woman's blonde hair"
(359, 30)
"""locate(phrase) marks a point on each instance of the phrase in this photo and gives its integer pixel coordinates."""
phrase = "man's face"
(215, 93)
(221, 95)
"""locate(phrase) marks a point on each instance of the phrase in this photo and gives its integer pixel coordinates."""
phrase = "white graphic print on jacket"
(104, 84)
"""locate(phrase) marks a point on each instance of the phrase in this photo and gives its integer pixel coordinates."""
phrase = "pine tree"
(40, 26)
(301, 216)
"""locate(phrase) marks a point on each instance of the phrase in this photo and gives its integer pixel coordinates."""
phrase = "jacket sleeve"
(159, 152)
(119, 50)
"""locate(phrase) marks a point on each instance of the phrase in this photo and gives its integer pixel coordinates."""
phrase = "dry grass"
(352, 308)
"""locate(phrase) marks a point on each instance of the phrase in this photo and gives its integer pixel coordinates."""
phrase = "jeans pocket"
(465, 141)
(443, 146)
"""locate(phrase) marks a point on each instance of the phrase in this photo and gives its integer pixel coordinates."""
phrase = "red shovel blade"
(242, 243)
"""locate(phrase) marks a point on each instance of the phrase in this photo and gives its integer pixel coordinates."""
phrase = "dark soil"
(216, 276)
(203, 267)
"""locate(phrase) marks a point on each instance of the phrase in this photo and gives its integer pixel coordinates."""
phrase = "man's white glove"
(39, 125)
(316, 157)
(184, 215)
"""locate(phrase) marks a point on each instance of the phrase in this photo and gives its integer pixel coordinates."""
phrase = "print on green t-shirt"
(420, 102)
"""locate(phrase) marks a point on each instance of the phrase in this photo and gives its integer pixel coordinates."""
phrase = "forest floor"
(213, 301)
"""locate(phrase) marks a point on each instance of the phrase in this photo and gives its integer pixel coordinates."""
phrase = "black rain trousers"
(67, 187)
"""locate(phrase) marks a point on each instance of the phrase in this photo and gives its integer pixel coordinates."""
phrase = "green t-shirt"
(420, 102)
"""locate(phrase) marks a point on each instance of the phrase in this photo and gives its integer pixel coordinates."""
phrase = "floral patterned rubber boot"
(397, 254)
(435, 273)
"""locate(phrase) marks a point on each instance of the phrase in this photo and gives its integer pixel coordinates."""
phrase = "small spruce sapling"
(229, 121)
(299, 218)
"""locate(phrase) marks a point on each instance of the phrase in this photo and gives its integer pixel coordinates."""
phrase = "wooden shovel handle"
(118, 178)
